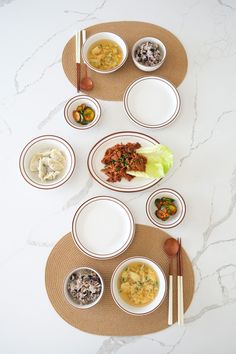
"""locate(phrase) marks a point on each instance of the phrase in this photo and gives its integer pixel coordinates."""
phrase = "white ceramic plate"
(97, 153)
(42, 143)
(134, 310)
(152, 102)
(173, 220)
(103, 227)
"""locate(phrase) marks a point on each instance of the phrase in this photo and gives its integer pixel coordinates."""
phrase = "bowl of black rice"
(148, 53)
(83, 287)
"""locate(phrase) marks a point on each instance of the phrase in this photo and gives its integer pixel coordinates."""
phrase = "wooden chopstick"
(179, 260)
(77, 58)
(180, 289)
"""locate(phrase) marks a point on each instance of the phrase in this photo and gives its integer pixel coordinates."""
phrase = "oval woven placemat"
(106, 318)
(111, 87)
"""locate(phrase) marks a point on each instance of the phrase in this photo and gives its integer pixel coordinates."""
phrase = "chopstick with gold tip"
(77, 58)
(180, 290)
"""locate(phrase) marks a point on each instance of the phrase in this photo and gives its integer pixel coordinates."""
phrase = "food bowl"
(100, 37)
(174, 219)
(83, 287)
(43, 145)
(75, 102)
(151, 55)
(116, 288)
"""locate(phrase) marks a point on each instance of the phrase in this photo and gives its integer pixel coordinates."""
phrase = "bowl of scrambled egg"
(138, 286)
(104, 52)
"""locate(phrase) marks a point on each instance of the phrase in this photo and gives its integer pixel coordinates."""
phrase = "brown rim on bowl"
(114, 298)
(77, 125)
(67, 297)
(135, 120)
(103, 183)
(105, 255)
(41, 138)
(180, 199)
(111, 70)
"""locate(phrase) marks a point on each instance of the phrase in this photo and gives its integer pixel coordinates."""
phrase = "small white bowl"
(157, 301)
(69, 298)
(40, 144)
(100, 36)
(73, 103)
(162, 50)
(173, 220)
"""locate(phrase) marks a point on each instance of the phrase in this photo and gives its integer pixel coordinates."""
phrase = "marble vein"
(194, 147)
(52, 114)
(88, 14)
(206, 309)
(221, 3)
(213, 225)
(217, 271)
(226, 298)
(80, 196)
(170, 346)
(40, 243)
(113, 344)
(5, 2)
(224, 290)
(22, 89)
(12, 256)
(25, 87)
(18, 88)
(186, 13)
(5, 127)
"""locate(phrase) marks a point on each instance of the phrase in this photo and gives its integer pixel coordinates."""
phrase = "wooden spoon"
(171, 248)
(86, 83)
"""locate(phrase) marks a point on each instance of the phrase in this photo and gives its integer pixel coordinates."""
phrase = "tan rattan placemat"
(106, 318)
(111, 87)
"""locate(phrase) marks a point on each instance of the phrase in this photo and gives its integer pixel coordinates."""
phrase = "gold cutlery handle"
(170, 301)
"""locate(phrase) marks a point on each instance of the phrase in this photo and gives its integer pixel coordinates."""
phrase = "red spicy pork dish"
(121, 158)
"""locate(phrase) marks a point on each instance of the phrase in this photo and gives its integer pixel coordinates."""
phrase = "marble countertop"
(34, 90)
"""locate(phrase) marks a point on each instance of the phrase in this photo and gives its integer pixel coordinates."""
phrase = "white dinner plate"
(96, 155)
(103, 227)
(152, 102)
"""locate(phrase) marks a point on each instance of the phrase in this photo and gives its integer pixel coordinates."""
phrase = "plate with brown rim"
(152, 102)
(98, 151)
(111, 219)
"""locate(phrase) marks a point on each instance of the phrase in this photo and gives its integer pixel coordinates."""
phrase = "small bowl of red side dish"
(165, 208)
(82, 112)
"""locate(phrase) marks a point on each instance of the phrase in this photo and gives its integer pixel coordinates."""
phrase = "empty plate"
(103, 227)
(152, 102)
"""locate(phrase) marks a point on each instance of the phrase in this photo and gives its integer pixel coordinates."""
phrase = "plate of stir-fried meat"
(112, 159)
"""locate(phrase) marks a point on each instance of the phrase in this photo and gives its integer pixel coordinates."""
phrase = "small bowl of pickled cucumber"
(82, 112)
(165, 208)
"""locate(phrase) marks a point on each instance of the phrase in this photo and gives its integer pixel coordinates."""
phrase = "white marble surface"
(34, 90)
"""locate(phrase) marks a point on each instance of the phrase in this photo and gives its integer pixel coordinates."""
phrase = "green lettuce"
(159, 161)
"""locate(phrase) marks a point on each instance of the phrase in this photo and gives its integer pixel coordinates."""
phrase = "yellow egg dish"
(105, 54)
(138, 284)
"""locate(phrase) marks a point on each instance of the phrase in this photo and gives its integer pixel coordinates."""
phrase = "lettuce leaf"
(159, 161)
